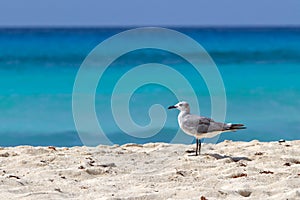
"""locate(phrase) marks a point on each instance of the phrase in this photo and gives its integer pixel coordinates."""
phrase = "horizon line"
(140, 26)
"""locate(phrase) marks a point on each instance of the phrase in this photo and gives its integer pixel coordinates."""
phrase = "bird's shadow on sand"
(233, 158)
(218, 156)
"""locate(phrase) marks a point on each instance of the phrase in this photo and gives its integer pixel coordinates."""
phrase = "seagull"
(201, 127)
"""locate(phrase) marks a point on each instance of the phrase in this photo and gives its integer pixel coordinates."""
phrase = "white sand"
(228, 170)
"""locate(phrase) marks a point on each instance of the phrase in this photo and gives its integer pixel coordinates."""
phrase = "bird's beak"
(171, 107)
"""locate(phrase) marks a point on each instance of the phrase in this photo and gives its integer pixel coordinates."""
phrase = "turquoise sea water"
(260, 68)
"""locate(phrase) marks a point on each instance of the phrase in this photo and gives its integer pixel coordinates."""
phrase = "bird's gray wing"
(203, 124)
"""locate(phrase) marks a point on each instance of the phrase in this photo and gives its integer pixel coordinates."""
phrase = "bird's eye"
(180, 104)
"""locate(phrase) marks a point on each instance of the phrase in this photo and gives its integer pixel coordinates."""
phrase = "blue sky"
(152, 12)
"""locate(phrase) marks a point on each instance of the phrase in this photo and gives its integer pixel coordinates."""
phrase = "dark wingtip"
(238, 126)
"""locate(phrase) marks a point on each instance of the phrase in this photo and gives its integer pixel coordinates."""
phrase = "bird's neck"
(181, 116)
(183, 113)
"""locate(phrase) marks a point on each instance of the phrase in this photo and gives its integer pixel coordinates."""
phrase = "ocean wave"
(237, 56)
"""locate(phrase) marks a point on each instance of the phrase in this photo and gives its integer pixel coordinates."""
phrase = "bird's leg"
(197, 144)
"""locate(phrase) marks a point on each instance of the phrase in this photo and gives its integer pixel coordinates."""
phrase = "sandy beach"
(228, 170)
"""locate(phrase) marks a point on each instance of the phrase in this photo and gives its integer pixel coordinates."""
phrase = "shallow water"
(260, 69)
